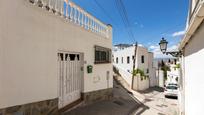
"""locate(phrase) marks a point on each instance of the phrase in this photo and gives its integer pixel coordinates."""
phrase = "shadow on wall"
(139, 108)
(159, 89)
(196, 43)
(115, 70)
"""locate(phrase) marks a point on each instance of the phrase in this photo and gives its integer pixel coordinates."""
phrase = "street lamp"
(163, 47)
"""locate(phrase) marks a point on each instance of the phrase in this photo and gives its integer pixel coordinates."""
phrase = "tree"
(165, 68)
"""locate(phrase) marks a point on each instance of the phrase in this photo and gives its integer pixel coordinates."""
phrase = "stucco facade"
(145, 64)
(192, 45)
(193, 72)
(173, 75)
(30, 38)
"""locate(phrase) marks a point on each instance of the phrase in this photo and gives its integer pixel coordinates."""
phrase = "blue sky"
(150, 20)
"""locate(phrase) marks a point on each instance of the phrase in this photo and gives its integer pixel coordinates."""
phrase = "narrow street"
(121, 104)
(124, 103)
(157, 103)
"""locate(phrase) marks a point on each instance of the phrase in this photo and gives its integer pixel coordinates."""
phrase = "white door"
(70, 76)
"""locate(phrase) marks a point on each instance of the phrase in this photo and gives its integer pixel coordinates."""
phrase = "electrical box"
(89, 69)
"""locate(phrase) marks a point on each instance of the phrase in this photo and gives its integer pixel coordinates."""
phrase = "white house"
(192, 61)
(174, 74)
(123, 60)
(53, 54)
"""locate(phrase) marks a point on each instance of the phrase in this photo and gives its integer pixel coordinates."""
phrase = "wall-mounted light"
(163, 47)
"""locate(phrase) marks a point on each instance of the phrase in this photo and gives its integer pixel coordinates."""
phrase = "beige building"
(192, 61)
(51, 56)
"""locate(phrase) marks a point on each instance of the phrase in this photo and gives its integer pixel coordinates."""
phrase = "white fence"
(140, 84)
(74, 14)
(160, 76)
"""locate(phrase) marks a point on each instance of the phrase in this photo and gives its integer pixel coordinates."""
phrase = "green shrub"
(141, 72)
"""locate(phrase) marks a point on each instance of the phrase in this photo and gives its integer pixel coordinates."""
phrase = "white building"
(49, 60)
(192, 61)
(174, 74)
(123, 60)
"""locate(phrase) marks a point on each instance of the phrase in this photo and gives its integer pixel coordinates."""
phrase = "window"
(133, 57)
(117, 60)
(142, 59)
(128, 59)
(122, 60)
(147, 70)
(102, 55)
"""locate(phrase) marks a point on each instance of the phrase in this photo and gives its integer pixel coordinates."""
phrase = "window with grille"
(102, 55)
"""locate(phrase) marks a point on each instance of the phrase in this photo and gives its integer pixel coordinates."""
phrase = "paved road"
(124, 103)
(121, 104)
(157, 104)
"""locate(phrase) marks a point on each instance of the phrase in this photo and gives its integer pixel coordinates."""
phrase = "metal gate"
(70, 76)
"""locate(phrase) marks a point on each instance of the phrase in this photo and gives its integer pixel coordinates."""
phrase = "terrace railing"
(75, 14)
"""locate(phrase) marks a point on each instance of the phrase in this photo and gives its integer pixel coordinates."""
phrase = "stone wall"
(90, 97)
(48, 107)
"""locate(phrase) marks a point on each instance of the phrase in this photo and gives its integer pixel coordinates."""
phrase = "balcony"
(74, 14)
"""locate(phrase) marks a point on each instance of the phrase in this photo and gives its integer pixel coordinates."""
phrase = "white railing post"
(71, 12)
(76, 15)
(55, 6)
(79, 13)
(62, 8)
(50, 5)
(85, 20)
(67, 10)
(44, 3)
(35, 2)
(82, 18)
(95, 26)
(92, 23)
(88, 22)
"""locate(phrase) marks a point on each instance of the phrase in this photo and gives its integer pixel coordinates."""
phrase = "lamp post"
(163, 47)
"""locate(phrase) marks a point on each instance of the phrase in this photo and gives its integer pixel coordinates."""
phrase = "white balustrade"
(75, 14)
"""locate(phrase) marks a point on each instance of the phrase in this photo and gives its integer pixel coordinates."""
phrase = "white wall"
(125, 69)
(126, 75)
(139, 84)
(124, 53)
(152, 70)
(160, 76)
(142, 51)
(130, 51)
(29, 42)
(173, 74)
(193, 73)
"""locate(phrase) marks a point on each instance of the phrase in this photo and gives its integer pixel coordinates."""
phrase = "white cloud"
(179, 33)
(140, 45)
(135, 23)
(154, 47)
(157, 52)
